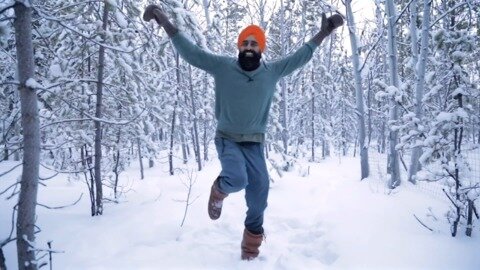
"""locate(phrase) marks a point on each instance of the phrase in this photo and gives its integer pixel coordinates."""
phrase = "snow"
(326, 220)
(122, 22)
(113, 3)
(4, 32)
(32, 83)
(444, 117)
(56, 71)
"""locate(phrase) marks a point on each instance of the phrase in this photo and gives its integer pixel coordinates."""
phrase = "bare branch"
(93, 118)
(448, 196)
(61, 207)
(12, 169)
(446, 13)
(9, 187)
(76, 4)
(64, 121)
(48, 178)
(403, 11)
(9, 238)
(60, 171)
(372, 49)
(7, 19)
(422, 223)
(118, 49)
(475, 210)
(10, 126)
(7, 8)
(10, 82)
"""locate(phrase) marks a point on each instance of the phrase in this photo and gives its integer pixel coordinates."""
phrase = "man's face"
(249, 54)
(249, 44)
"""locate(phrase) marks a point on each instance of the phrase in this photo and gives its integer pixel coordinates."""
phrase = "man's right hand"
(155, 12)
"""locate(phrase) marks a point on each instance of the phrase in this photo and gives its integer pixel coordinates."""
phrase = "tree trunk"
(91, 185)
(470, 205)
(313, 120)
(393, 162)
(117, 157)
(196, 146)
(205, 141)
(181, 116)
(413, 32)
(2, 260)
(117, 173)
(283, 87)
(183, 131)
(416, 152)
(139, 148)
(369, 111)
(207, 13)
(419, 86)
(172, 132)
(206, 5)
(27, 199)
(358, 91)
(174, 114)
(98, 115)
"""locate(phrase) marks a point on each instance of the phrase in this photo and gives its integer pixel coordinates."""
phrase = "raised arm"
(189, 51)
(296, 60)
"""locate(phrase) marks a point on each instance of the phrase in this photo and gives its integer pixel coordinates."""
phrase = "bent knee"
(233, 184)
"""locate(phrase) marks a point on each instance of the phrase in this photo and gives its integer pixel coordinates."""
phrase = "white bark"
(283, 87)
(206, 4)
(139, 148)
(174, 115)
(414, 45)
(393, 160)
(313, 119)
(358, 90)
(414, 32)
(420, 84)
(27, 200)
(196, 143)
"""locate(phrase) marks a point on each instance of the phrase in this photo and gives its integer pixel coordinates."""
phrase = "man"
(244, 88)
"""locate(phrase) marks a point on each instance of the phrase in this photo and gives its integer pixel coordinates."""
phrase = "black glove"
(155, 12)
(331, 23)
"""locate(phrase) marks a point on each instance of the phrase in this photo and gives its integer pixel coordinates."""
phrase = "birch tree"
(283, 87)
(393, 160)
(358, 90)
(420, 68)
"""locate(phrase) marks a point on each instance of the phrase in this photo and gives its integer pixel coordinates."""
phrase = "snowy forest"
(92, 95)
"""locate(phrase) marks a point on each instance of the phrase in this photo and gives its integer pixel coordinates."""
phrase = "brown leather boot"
(215, 202)
(250, 244)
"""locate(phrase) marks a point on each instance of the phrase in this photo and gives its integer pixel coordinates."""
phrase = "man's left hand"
(331, 23)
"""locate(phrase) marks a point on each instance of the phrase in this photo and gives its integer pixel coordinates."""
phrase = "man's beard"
(249, 62)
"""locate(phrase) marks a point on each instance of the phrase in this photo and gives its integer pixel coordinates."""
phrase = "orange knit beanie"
(257, 32)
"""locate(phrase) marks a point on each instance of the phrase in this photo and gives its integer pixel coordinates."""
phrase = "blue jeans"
(244, 167)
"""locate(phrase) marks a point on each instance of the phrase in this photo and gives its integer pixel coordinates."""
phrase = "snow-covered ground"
(326, 220)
